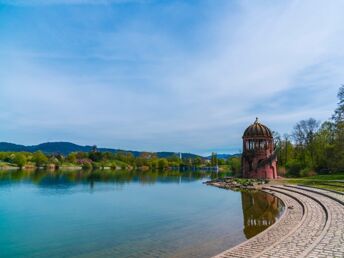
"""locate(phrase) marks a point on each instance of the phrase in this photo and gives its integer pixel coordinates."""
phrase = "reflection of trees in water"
(260, 210)
(66, 179)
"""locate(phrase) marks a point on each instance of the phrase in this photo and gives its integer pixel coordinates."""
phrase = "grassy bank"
(332, 182)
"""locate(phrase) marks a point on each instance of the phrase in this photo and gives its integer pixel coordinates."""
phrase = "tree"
(72, 157)
(338, 119)
(234, 164)
(95, 156)
(162, 163)
(39, 158)
(126, 157)
(304, 134)
(174, 159)
(213, 159)
(20, 159)
(197, 161)
(338, 115)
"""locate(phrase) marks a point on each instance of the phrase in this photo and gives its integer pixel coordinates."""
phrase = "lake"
(125, 214)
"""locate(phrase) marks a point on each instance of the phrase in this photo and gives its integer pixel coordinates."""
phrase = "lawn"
(331, 182)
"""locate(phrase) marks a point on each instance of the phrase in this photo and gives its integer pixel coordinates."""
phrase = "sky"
(163, 75)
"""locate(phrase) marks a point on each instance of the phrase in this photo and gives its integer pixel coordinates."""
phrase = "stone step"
(306, 234)
(311, 226)
(332, 242)
(286, 223)
(337, 196)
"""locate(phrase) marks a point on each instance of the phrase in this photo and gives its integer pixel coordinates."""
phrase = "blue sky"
(165, 75)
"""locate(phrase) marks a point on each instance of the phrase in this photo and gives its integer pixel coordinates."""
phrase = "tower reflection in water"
(260, 210)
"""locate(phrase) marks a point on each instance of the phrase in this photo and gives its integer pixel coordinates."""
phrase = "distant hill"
(225, 156)
(67, 147)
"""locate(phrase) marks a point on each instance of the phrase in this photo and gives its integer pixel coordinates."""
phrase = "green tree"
(304, 135)
(72, 157)
(197, 161)
(126, 157)
(338, 119)
(338, 115)
(39, 158)
(95, 156)
(234, 164)
(162, 163)
(20, 159)
(213, 159)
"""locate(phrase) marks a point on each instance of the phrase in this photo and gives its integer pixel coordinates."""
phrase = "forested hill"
(67, 147)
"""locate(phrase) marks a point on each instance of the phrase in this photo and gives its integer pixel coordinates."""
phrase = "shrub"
(282, 171)
(294, 168)
(87, 166)
(307, 172)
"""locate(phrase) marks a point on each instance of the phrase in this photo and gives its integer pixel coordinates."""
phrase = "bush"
(307, 172)
(95, 165)
(39, 158)
(234, 164)
(294, 168)
(19, 160)
(87, 166)
(282, 171)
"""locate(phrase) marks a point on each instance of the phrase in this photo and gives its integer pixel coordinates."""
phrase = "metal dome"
(257, 130)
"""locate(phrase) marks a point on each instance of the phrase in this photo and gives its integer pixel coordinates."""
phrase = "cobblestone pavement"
(312, 226)
(289, 220)
(331, 243)
(335, 195)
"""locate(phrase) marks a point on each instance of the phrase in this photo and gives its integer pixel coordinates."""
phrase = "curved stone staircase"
(311, 226)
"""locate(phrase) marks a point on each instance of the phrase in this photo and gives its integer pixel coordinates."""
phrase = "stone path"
(332, 194)
(312, 226)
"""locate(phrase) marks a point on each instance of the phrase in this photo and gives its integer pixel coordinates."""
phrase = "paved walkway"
(312, 226)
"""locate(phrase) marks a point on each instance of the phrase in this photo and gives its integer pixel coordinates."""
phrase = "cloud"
(174, 76)
(69, 2)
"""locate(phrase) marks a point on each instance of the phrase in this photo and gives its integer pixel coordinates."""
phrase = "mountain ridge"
(67, 147)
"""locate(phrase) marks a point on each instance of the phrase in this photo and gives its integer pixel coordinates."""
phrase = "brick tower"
(259, 159)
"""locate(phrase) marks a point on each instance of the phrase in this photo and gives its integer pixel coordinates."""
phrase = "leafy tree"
(221, 162)
(213, 159)
(338, 115)
(304, 135)
(39, 158)
(174, 159)
(197, 161)
(95, 156)
(126, 157)
(162, 163)
(234, 164)
(20, 159)
(72, 157)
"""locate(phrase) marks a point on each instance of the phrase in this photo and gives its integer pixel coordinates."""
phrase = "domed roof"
(257, 130)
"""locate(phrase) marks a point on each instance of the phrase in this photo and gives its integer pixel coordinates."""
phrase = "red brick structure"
(259, 159)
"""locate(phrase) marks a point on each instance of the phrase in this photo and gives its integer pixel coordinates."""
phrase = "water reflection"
(174, 213)
(66, 179)
(260, 211)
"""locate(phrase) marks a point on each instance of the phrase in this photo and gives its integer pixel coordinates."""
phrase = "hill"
(67, 147)
(225, 156)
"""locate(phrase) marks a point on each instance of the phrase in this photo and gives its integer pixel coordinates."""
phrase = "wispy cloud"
(69, 2)
(171, 76)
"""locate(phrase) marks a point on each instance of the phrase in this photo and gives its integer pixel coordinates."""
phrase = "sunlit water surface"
(125, 214)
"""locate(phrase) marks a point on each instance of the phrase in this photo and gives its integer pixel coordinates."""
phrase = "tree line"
(313, 147)
(120, 160)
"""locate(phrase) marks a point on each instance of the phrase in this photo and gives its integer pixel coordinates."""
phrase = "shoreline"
(231, 183)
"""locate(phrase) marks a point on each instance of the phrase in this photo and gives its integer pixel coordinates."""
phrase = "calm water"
(122, 214)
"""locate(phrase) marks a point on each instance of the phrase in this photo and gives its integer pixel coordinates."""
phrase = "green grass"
(320, 181)
(337, 176)
(6, 164)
